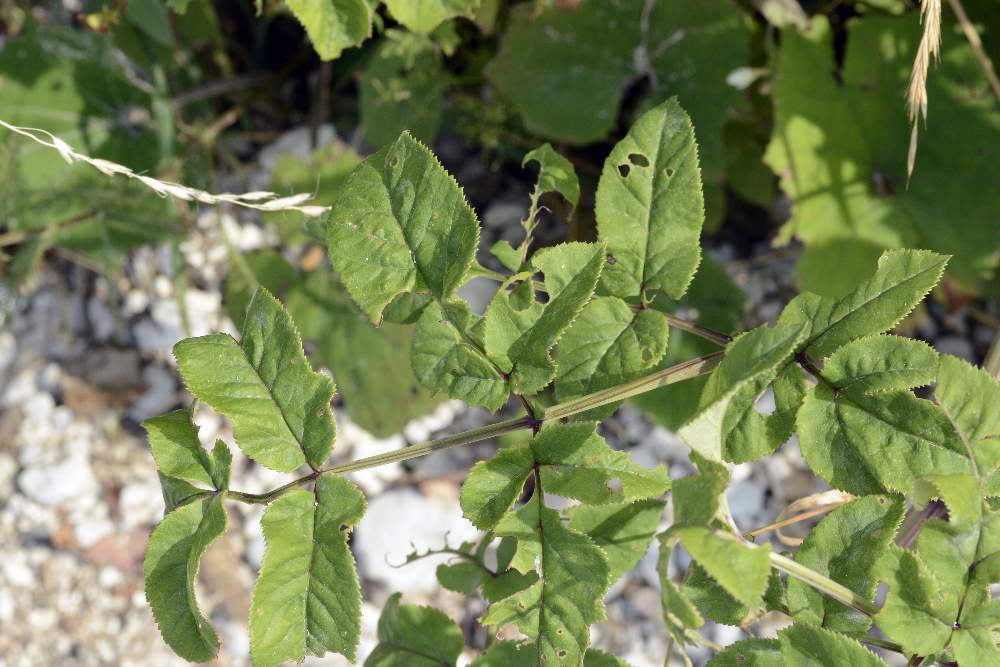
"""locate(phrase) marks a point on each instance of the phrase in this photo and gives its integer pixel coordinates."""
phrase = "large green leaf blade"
(650, 207)
(846, 547)
(172, 557)
(867, 444)
(754, 652)
(307, 596)
(412, 636)
(280, 407)
(334, 25)
(401, 224)
(903, 278)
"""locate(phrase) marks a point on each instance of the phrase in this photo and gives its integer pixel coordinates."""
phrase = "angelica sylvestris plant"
(572, 331)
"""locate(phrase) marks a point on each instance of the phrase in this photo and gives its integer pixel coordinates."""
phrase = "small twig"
(916, 95)
(911, 526)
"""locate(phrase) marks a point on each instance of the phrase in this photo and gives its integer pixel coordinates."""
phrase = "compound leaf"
(412, 636)
(307, 598)
(650, 207)
(171, 565)
(401, 224)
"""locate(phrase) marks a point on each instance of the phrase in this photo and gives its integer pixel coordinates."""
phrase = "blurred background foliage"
(798, 107)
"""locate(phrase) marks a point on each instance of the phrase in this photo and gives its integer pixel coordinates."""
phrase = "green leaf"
(959, 493)
(403, 89)
(463, 577)
(867, 444)
(334, 25)
(446, 358)
(401, 224)
(412, 636)
(845, 546)
(840, 146)
(696, 497)
(719, 304)
(492, 486)
(178, 492)
(564, 90)
(556, 611)
(752, 361)
(307, 598)
(881, 363)
(507, 654)
(173, 439)
(623, 530)
(425, 15)
(607, 345)
(901, 281)
(555, 173)
(968, 396)
(172, 557)
(682, 68)
(711, 599)
(679, 613)
(807, 645)
(360, 356)
(280, 407)
(749, 653)
(741, 569)
(595, 658)
(578, 463)
(650, 207)
(518, 336)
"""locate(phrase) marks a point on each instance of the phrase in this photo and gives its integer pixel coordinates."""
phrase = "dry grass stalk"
(261, 201)
(916, 95)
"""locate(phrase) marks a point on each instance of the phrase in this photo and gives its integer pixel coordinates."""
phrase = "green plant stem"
(683, 371)
(822, 584)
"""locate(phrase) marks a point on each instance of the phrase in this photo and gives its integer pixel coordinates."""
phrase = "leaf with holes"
(650, 207)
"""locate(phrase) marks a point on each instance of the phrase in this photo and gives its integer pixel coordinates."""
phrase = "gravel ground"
(83, 360)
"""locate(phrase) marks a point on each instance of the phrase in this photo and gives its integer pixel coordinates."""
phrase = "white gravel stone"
(415, 519)
(746, 501)
(52, 485)
(160, 394)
